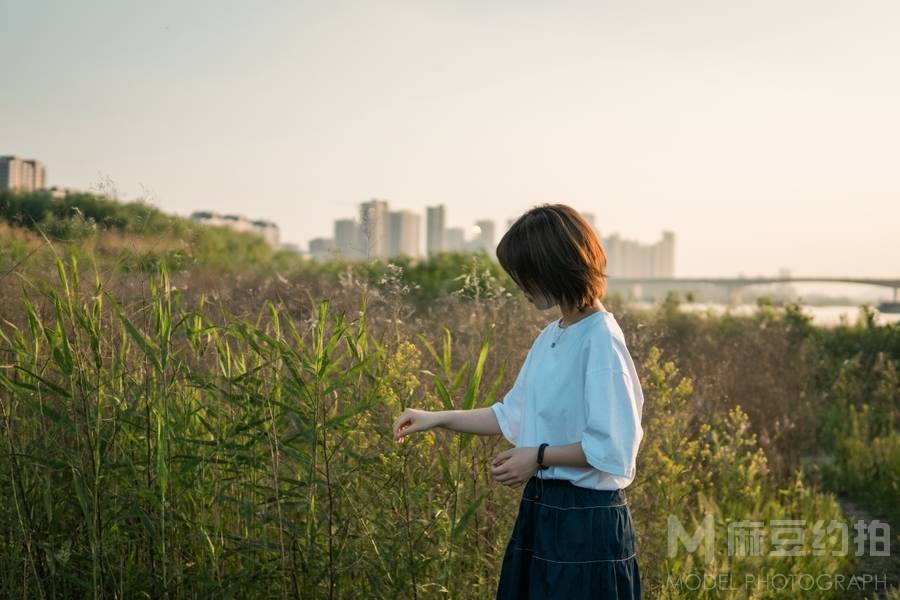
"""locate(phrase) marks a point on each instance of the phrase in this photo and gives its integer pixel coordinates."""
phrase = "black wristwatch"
(540, 457)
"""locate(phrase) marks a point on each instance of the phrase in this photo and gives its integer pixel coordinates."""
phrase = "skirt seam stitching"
(575, 507)
(575, 561)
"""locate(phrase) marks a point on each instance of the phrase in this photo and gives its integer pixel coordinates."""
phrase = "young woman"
(574, 417)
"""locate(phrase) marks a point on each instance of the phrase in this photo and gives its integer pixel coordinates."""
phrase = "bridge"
(740, 282)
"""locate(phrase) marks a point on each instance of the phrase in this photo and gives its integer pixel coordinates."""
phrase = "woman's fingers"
(504, 476)
(411, 421)
(398, 422)
(402, 422)
(406, 426)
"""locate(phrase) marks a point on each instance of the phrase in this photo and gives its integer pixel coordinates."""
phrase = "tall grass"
(155, 451)
(155, 448)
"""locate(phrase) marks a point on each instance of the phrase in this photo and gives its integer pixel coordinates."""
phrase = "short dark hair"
(552, 249)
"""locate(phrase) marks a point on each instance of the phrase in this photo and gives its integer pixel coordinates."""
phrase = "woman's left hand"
(515, 466)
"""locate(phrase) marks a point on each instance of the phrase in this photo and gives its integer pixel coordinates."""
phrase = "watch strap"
(540, 456)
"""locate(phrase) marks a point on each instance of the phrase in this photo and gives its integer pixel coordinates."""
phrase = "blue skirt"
(570, 542)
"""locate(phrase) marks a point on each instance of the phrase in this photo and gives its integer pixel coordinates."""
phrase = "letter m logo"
(705, 533)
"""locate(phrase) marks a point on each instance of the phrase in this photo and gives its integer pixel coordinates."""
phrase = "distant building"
(485, 238)
(373, 218)
(441, 238)
(629, 258)
(347, 238)
(265, 229)
(403, 233)
(19, 174)
(38, 173)
(61, 192)
(322, 248)
(435, 239)
(455, 239)
(666, 255)
(382, 233)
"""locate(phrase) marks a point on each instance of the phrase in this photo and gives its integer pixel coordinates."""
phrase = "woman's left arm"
(566, 455)
(516, 465)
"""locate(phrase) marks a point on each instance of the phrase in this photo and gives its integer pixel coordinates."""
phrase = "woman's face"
(539, 300)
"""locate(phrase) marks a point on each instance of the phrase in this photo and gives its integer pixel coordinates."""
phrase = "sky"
(765, 134)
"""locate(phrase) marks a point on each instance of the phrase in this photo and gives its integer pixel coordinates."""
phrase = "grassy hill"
(127, 236)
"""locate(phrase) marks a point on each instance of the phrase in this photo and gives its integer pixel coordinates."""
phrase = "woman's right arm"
(480, 421)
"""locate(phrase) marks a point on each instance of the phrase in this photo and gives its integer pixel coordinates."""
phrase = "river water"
(825, 316)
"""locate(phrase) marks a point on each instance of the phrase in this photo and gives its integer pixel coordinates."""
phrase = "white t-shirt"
(585, 389)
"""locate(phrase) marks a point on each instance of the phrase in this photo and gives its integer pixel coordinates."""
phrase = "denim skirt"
(568, 543)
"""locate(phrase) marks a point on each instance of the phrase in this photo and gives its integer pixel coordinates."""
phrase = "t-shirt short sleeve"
(613, 413)
(509, 410)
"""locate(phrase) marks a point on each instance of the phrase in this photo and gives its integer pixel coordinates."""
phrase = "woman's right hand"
(412, 420)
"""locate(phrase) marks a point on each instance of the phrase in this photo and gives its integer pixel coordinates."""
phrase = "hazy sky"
(766, 134)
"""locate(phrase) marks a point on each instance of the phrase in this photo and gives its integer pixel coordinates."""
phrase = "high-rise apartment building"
(435, 239)
(666, 252)
(373, 228)
(347, 238)
(20, 174)
(629, 258)
(40, 174)
(403, 233)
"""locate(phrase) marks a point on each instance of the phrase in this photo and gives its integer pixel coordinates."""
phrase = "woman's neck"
(570, 315)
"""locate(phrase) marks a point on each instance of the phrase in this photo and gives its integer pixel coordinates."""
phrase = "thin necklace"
(561, 332)
(563, 328)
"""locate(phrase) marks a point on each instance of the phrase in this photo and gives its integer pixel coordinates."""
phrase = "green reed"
(153, 449)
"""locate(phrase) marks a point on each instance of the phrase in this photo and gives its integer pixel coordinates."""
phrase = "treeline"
(133, 236)
(80, 214)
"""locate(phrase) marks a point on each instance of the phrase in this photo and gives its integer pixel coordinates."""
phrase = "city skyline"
(382, 233)
(396, 232)
(763, 133)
